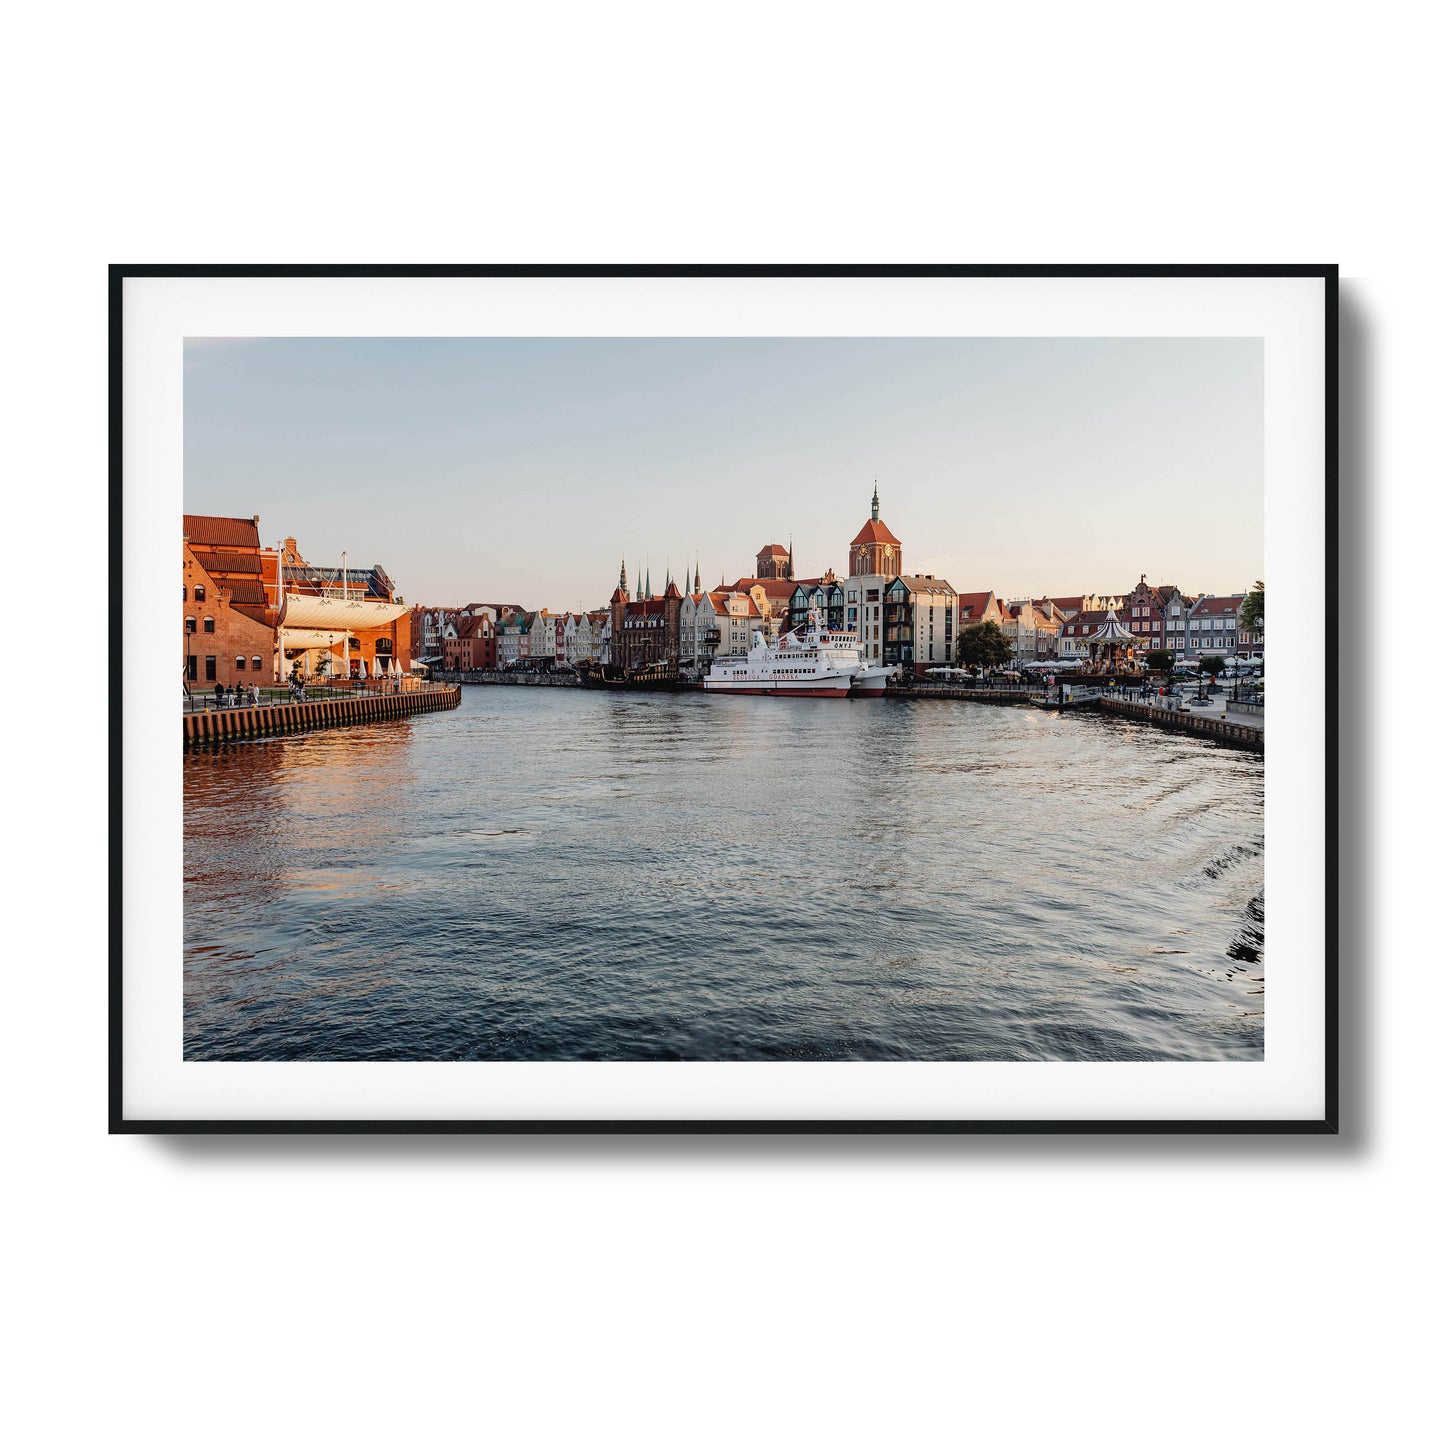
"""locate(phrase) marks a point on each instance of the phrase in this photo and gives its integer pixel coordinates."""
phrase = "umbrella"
(361, 672)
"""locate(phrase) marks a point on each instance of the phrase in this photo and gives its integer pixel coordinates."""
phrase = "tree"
(1160, 660)
(1251, 610)
(984, 646)
(1212, 665)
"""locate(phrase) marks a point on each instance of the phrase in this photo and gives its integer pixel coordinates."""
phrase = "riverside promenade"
(336, 709)
(1236, 730)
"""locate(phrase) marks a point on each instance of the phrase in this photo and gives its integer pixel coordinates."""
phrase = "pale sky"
(522, 470)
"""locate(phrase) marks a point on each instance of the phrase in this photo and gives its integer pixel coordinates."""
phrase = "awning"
(306, 637)
(332, 614)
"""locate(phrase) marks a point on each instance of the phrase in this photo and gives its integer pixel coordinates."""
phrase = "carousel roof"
(1112, 631)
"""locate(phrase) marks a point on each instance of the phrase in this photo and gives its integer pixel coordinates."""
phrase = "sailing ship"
(660, 676)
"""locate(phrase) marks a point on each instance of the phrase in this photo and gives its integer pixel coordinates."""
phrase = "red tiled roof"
(874, 532)
(773, 550)
(1068, 604)
(973, 603)
(253, 594)
(216, 562)
(772, 586)
(220, 531)
(1217, 606)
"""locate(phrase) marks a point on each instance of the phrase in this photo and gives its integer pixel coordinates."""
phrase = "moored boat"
(811, 661)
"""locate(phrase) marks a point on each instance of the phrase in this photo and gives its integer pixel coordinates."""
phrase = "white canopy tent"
(304, 615)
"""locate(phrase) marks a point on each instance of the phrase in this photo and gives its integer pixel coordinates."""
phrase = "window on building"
(240, 664)
(191, 624)
(210, 669)
(210, 624)
(200, 594)
(255, 664)
(185, 593)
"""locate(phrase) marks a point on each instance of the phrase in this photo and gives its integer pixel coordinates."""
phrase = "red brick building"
(648, 631)
(228, 594)
(249, 616)
(775, 562)
(469, 643)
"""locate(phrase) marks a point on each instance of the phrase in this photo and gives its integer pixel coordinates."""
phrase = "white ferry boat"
(808, 662)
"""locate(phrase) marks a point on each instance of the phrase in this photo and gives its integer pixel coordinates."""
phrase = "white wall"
(1008, 1289)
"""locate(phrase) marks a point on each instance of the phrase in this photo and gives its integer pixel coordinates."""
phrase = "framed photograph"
(723, 699)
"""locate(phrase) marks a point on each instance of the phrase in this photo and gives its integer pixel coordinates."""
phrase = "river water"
(551, 873)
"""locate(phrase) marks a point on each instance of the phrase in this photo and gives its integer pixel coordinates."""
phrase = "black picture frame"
(1328, 1123)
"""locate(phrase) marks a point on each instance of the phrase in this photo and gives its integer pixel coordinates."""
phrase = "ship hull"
(758, 689)
(833, 684)
(871, 682)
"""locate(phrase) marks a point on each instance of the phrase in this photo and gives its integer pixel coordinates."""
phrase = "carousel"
(1111, 649)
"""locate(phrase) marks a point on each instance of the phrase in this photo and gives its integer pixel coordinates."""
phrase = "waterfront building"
(701, 628)
(772, 596)
(425, 635)
(1144, 611)
(469, 640)
(1213, 627)
(542, 636)
(648, 631)
(1032, 628)
(976, 608)
(253, 614)
(735, 616)
(228, 602)
(918, 623)
(875, 558)
(513, 634)
(1249, 643)
(339, 621)
(828, 595)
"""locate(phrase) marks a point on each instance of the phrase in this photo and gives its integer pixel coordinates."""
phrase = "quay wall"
(519, 679)
(968, 694)
(236, 723)
(1234, 734)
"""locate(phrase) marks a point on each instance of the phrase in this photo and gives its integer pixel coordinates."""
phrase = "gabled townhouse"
(1213, 628)
(976, 608)
(1032, 628)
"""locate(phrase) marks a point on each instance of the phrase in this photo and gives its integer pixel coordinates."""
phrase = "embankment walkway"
(1228, 730)
(230, 724)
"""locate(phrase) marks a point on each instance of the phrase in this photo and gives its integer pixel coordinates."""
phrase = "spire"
(622, 577)
(875, 499)
(790, 556)
(647, 585)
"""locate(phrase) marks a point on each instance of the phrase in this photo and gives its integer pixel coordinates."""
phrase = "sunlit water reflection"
(550, 873)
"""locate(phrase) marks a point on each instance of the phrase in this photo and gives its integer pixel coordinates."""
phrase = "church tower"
(875, 551)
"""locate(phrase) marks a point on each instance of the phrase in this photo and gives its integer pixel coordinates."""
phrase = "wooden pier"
(234, 724)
